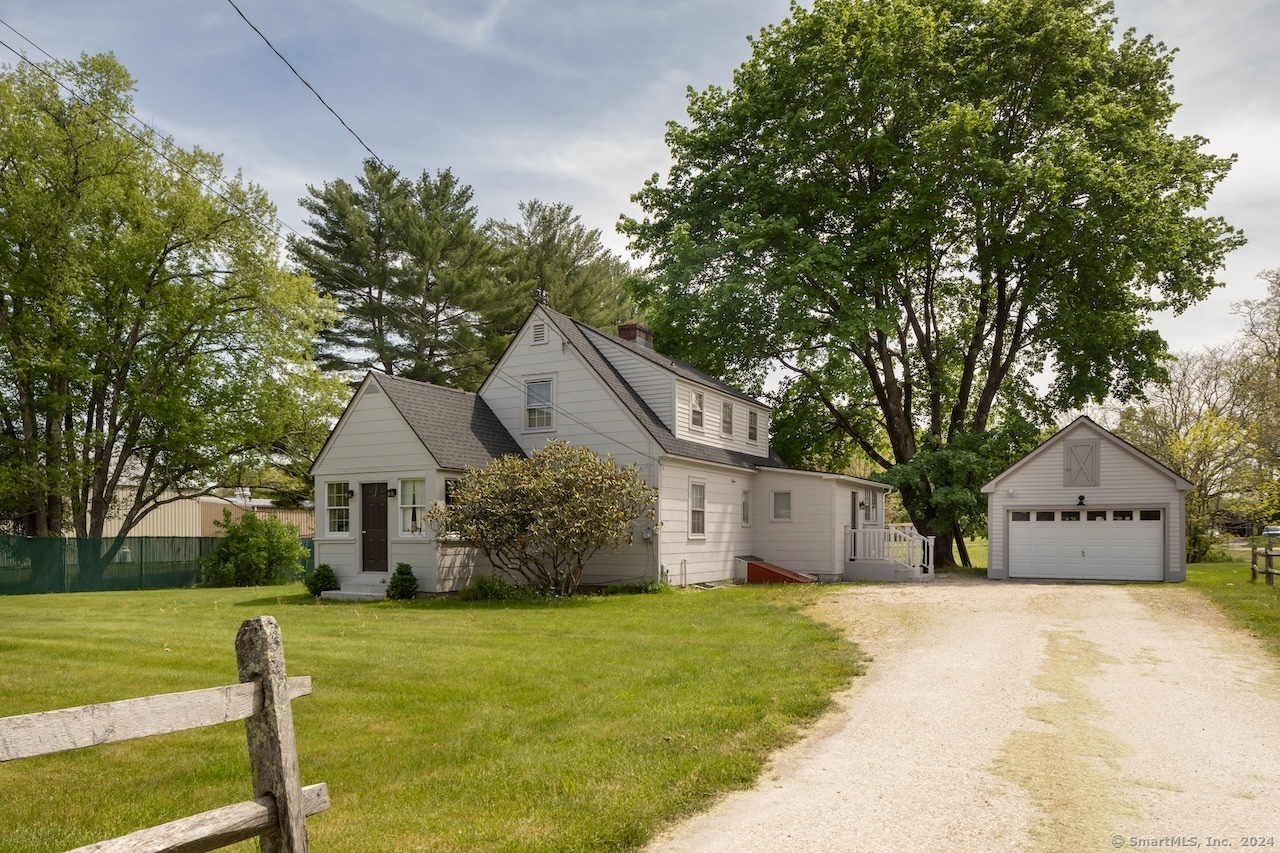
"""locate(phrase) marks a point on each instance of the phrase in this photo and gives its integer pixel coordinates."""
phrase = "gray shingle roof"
(457, 427)
(576, 335)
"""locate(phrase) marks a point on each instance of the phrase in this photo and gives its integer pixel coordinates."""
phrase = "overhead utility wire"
(273, 226)
(305, 83)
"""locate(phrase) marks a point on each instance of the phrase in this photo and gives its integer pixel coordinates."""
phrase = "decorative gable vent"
(374, 389)
(539, 333)
(1081, 463)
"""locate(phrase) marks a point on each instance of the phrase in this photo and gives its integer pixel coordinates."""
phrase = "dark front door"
(373, 524)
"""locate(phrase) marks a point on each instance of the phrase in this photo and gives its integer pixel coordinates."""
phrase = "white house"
(1086, 505)
(725, 500)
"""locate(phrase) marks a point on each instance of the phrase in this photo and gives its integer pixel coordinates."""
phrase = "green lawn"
(572, 725)
(1250, 604)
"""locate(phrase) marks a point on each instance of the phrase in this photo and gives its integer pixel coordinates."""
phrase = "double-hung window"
(781, 506)
(746, 507)
(697, 509)
(537, 404)
(338, 508)
(753, 426)
(696, 403)
(726, 418)
(413, 506)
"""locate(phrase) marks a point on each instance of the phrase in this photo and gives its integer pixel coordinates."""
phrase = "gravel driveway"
(1015, 716)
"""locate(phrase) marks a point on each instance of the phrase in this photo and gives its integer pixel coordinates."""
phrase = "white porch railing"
(899, 543)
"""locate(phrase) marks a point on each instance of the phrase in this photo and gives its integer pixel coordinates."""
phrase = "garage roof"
(1084, 421)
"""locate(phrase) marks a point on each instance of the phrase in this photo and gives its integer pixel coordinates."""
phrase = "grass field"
(442, 725)
(1250, 604)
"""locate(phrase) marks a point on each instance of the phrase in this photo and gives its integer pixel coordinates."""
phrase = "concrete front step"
(352, 591)
(883, 570)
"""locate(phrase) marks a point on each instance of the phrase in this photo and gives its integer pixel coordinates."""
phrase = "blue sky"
(568, 100)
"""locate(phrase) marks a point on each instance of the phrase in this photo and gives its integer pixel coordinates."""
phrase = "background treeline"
(427, 290)
(160, 338)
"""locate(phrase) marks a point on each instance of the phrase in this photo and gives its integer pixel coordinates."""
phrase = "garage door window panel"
(1149, 515)
(1122, 515)
(1044, 516)
(1096, 515)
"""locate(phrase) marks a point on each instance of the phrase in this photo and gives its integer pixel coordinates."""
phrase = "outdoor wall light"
(1011, 492)
(862, 504)
(1080, 501)
(391, 493)
(351, 493)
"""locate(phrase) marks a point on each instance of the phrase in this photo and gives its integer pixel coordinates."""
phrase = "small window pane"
(338, 506)
(450, 485)
(413, 505)
(1021, 516)
(1096, 515)
(538, 404)
(782, 505)
(726, 418)
(695, 409)
(746, 507)
(1122, 515)
(1071, 515)
(1044, 516)
(698, 509)
(1149, 515)
(753, 426)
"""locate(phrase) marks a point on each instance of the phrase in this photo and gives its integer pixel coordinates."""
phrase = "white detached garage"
(1086, 505)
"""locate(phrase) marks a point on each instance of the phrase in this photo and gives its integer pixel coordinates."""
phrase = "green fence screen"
(92, 565)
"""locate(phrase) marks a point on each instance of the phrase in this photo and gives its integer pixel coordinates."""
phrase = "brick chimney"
(637, 333)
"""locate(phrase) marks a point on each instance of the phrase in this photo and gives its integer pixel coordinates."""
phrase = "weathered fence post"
(273, 752)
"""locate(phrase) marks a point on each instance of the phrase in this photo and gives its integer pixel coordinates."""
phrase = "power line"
(305, 83)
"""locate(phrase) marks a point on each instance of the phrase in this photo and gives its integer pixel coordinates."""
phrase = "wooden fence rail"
(277, 816)
(1269, 569)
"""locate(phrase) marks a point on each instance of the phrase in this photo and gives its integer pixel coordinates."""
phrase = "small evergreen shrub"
(321, 579)
(403, 586)
(253, 552)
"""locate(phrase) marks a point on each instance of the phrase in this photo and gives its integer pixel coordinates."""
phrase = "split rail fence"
(1269, 567)
(262, 699)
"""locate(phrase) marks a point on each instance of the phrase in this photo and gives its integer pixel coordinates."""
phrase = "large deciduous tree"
(150, 340)
(913, 207)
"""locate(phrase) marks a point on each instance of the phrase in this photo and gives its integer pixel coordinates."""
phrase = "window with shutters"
(1080, 466)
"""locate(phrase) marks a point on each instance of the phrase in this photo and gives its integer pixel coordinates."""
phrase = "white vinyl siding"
(655, 385)
(720, 422)
(587, 411)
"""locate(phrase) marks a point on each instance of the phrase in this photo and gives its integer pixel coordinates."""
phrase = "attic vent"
(373, 389)
(539, 333)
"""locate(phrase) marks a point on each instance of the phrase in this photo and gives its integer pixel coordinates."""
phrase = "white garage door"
(1087, 544)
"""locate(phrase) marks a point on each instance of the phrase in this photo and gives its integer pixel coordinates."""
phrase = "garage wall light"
(1011, 492)
(1080, 501)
